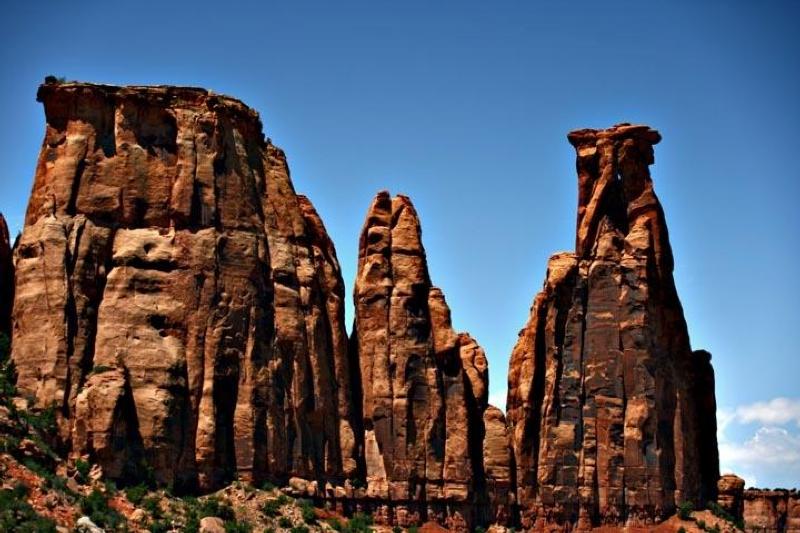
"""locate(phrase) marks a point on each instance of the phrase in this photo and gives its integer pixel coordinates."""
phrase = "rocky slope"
(612, 414)
(433, 447)
(177, 303)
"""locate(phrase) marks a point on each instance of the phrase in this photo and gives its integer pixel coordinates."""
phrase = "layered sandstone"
(6, 278)
(176, 301)
(433, 448)
(612, 414)
(771, 511)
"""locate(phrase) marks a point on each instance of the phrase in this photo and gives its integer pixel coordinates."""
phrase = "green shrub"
(685, 510)
(285, 522)
(681, 529)
(152, 504)
(95, 506)
(299, 529)
(236, 526)
(358, 483)
(136, 493)
(307, 511)
(212, 506)
(267, 485)
(359, 523)
(160, 526)
(16, 514)
(271, 508)
(412, 529)
(479, 529)
(701, 524)
(336, 524)
(83, 468)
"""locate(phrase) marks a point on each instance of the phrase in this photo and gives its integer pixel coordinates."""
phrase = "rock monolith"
(177, 303)
(612, 414)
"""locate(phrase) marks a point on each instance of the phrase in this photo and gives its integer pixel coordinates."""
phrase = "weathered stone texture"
(771, 511)
(612, 415)
(424, 386)
(6, 278)
(176, 300)
(730, 494)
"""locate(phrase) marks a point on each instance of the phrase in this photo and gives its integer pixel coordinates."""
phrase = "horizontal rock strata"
(176, 301)
(612, 414)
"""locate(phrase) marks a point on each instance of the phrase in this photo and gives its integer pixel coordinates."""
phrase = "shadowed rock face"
(426, 422)
(6, 278)
(176, 301)
(612, 415)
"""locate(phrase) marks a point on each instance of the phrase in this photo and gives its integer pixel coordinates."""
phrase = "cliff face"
(6, 278)
(612, 414)
(176, 302)
(762, 510)
(771, 511)
(426, 421)
(182, 309)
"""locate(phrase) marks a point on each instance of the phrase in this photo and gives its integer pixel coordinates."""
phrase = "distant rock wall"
(176, 302)
(611, 413)
(762, 510)
(771, 511)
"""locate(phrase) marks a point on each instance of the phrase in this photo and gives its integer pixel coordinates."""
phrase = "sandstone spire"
(424, 386)
(612, 414)
(176, 300)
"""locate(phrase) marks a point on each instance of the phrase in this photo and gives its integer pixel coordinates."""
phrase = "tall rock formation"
(425, 388)
(612, 414)
(6, 278)
(177, 303)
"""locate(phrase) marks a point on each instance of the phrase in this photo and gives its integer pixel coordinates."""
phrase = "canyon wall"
(182, 310)
(177, 303)
(612, 414)
(761, 510)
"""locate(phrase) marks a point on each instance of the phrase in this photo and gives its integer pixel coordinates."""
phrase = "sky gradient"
(465, 107)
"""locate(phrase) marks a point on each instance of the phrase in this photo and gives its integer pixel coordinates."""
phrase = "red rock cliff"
(426, 421)
(176, 301)
(612, 414)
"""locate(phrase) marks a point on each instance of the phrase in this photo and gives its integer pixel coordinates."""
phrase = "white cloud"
(770, 454)
(769, 446)
(777, 411)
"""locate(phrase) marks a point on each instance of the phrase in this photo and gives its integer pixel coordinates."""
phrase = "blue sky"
(464, 106)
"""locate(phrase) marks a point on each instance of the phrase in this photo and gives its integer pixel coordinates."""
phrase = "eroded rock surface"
(176, 301)
(771, 511)
(6, 278)
(612, 414)
(424, 385)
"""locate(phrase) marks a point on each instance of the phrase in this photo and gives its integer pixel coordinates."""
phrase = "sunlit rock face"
(611, 413)
(176, 302)
(433, 448)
